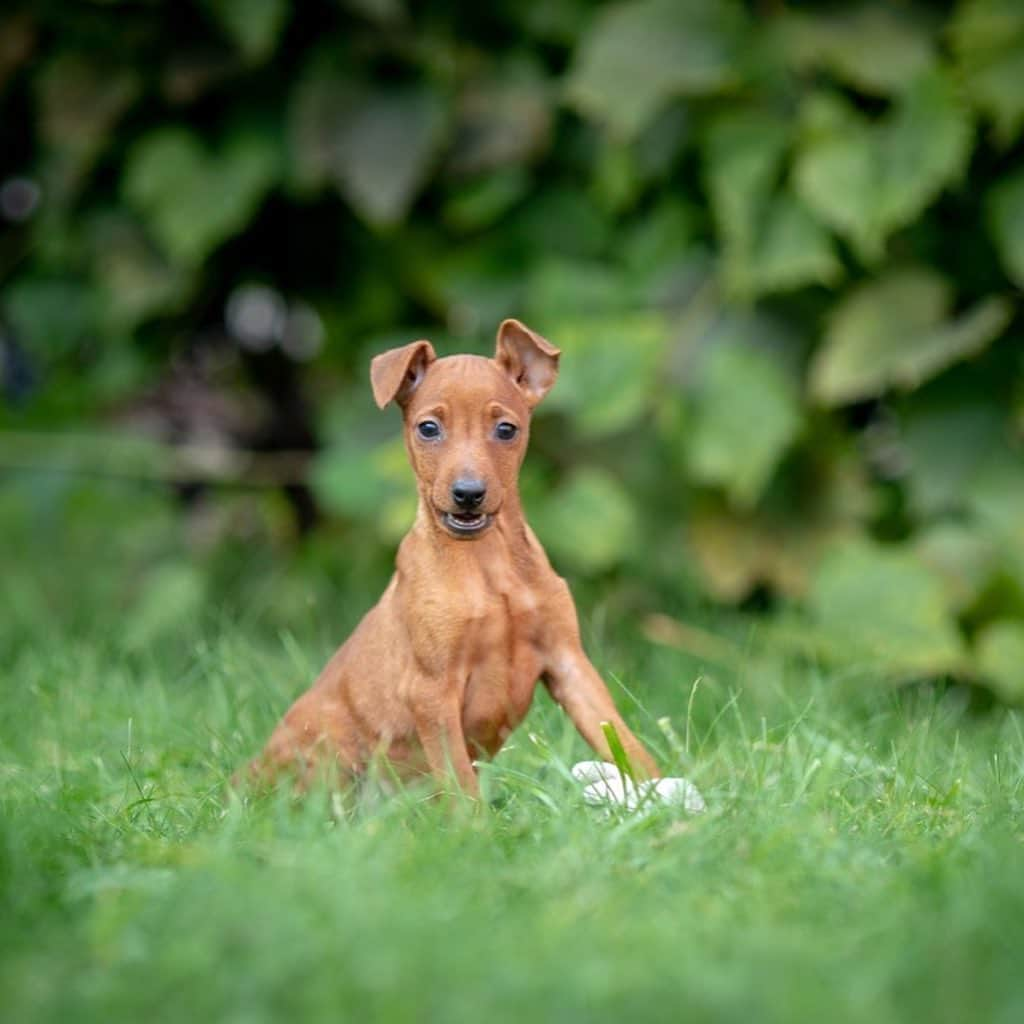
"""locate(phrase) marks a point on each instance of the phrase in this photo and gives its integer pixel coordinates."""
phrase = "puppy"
(444, 666)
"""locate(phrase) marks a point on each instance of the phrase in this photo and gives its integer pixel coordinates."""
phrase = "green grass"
(861, 858)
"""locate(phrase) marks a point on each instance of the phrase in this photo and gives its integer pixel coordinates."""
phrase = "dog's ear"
(530, 360)
(397, 373)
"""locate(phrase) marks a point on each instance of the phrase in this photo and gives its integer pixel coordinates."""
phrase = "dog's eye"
(505, 431)
(429, 430)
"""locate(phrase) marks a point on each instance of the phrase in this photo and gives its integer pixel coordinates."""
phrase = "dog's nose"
(468, 494)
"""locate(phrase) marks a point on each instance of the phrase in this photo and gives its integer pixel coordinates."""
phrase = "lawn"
(860, 859)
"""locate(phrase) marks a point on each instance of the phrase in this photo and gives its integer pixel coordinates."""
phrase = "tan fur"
(444, 667)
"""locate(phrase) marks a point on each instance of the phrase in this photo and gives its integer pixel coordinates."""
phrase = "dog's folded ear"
(530, 360)
(397, 373)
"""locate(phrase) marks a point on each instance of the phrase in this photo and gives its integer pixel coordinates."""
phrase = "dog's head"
(467, 420)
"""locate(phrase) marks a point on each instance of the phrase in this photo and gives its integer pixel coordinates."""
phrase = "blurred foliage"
(781, 246)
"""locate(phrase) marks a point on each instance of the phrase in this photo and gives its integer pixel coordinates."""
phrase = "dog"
(444, 667)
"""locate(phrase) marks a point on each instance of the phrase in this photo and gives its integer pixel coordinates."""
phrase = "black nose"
(468, 494)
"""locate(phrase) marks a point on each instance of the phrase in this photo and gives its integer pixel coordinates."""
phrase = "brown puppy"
(444, 667)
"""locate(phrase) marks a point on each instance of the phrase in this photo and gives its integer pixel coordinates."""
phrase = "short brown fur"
(445, 665)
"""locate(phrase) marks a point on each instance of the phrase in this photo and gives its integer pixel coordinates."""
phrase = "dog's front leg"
(576, 685)
(438, 721)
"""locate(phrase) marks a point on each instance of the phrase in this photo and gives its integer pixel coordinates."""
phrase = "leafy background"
(781, 246)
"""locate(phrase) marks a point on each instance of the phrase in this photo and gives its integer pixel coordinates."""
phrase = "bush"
(780, 251)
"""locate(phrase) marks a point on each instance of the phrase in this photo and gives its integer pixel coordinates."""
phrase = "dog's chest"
(502, 665)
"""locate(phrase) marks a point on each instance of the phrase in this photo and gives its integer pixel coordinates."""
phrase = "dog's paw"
(605, 786)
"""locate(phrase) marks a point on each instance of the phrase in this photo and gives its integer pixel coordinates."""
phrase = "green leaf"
(665, 233)
(747, 413)
(560, 221)
(52, 316)
(880, 607)
(961, 463)
(385, 149)
(347, 482)
(995, 496)
(566, 290)
(736, 550)
(80, 102)
(657, 148)
(485, 200)
(1006, 224)
(376, 146)
(608, 371)
(588, 522)
(136, 280)
(995, 501)
(770, 242)
(1000, 657)
(473, 285)
(503, 118)
(893, 332)
(793, 250)
(963, 558)
(663, 251)
(825, 497)
(836, 176)
(743, 155)
(866, 180)
(637, 55)
(371, 485)
(253, 25)
(873, 47)
(193, 200)
(987, 37)
(924, 145)
(944, 443)
(616, 182)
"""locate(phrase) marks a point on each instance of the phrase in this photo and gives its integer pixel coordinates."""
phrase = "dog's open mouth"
(465, 524)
